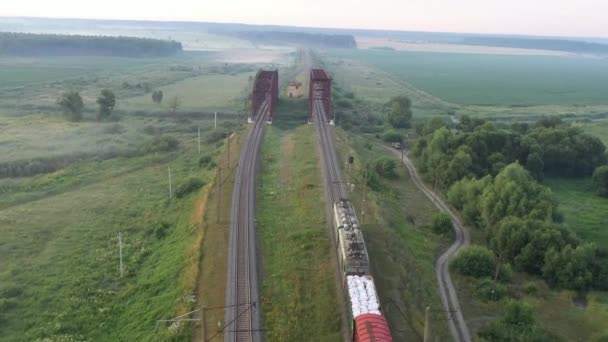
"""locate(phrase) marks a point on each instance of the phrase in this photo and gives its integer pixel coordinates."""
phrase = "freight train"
(367, 321)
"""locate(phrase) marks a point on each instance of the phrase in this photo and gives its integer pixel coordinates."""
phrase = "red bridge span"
(265, 94)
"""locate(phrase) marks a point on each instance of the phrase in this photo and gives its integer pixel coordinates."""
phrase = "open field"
(421, 46)
(298, 283)
(401, 245)
(476, 79)
(61, 278)
(585, 212)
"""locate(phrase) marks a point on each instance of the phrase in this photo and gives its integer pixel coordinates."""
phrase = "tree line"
(492, 175)
(31, 44)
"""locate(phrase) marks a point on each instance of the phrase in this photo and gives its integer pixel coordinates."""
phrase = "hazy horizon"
(585, 18)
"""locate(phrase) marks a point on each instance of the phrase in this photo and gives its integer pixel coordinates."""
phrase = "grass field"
(61, 279)
(585, 212)
(494, 80)
(299, 286)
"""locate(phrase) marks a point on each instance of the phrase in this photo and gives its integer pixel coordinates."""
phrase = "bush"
(489, 290)
(385, 167)
(160, 231)
(204, 161)
(475, 261)
(189, 186)
(442, 223)
(392, 136)
(600, 180)
(217, 135)
(160, 144)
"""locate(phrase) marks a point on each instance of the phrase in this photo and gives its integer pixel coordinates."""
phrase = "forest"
(31, 44)
(493, 176)
(542, 44)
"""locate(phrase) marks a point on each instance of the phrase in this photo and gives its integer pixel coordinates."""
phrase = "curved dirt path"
(449, 297)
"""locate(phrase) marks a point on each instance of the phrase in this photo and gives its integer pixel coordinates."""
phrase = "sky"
(537, 17)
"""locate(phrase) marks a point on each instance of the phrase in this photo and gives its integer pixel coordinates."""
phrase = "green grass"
(208, 92)
(585, 212)
(401, 245)
(494, 79)
(298, 277)
(61, 254)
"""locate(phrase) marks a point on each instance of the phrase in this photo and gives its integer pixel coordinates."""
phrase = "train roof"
(372, 328)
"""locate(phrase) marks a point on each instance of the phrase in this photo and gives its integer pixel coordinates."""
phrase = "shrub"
(442, 223)
(392, 136)
(160, 231)
(475, 261)
(217, 135)
(160, 144)
(385, 167)
(600, 180)
(189, 186)
(489, 290)
(204, 160)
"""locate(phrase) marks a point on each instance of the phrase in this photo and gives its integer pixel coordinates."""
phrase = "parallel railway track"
(242, 296)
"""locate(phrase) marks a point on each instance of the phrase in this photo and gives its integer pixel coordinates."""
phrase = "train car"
(368, 323)
(352, 250)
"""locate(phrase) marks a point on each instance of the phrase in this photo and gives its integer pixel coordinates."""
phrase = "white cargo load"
(363, 296)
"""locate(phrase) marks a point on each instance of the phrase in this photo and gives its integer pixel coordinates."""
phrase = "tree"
(515, 193)
(570, 268)
(106, 101)
(600, 180)
(476, 261)
(174, 104)
(442, 223)
(399, 111)
(516, 324)
(157, 96)
(72, 105)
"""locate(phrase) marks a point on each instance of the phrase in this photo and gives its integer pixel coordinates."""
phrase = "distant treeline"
(30, 44)
(303, 38)
(575, 46)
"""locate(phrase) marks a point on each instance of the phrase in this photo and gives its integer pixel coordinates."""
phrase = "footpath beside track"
(449, 297)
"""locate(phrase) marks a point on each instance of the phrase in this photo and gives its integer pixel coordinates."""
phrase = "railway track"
(242, 321)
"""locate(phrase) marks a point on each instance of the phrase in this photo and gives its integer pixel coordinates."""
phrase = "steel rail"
(242, 283)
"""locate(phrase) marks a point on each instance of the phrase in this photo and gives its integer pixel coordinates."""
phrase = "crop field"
(492, 79)
(299, 286)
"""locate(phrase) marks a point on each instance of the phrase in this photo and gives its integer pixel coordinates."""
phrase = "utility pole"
(364, 194)
(120, 251)
(203, 324)
(228, 160)
(199, 139)
(427, 327)
(170, 187)
(435, 189)
(215, 121)
(219, 194)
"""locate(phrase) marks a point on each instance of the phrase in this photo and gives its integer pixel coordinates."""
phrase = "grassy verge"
(212, 274)
(298, 286)
(401, 244)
